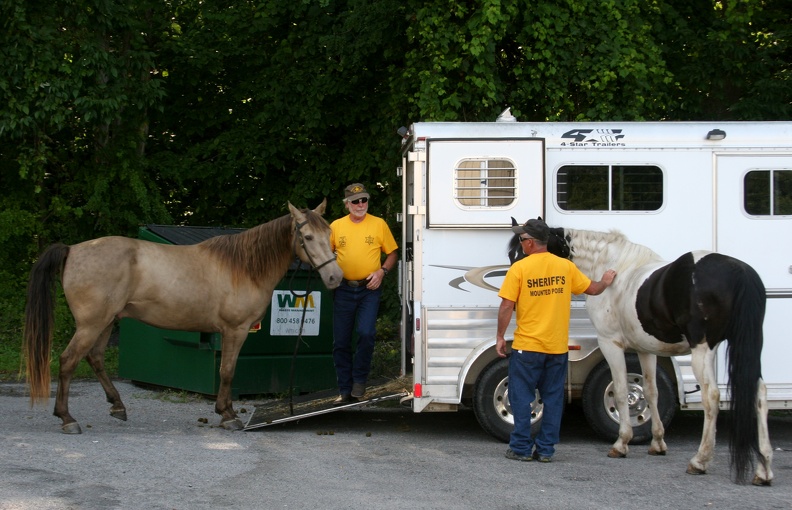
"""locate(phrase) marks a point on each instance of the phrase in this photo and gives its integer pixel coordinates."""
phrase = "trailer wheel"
(491, 402)
(599, 404)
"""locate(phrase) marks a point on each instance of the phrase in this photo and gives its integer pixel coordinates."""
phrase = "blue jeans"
(354, 306)
(529, 371)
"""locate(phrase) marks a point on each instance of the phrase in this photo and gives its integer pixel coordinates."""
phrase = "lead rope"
(299, 334)
(299, 339)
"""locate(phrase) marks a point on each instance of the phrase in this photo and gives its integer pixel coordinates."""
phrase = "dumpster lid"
(318, 403)
(190, 235)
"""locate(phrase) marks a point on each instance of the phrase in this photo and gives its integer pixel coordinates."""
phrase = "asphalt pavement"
(171, 454)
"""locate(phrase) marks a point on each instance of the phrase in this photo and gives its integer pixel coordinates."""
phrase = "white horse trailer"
(672, 186)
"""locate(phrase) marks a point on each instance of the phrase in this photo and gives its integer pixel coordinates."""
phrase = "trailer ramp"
(314, 404)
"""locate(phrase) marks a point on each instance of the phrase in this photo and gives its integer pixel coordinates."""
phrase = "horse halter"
(561, 243)
(298, 231)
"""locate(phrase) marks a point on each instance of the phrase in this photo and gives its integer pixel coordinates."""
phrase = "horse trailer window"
(485, 183)
(768, 192)
(609, 188)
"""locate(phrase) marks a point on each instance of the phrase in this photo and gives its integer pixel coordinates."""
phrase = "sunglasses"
(525, 238)
(359, 200)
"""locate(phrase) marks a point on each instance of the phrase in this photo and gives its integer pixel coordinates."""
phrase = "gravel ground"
(166, 457)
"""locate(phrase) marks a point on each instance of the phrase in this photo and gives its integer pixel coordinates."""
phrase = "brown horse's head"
(312, 243)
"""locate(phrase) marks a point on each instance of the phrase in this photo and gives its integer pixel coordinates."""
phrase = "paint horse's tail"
(744, 335)
(40, 318)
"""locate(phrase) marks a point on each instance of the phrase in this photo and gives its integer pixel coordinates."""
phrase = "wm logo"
(291, 301)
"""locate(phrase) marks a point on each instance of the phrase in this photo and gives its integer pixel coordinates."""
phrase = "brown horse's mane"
(254, 253)
(262, 251)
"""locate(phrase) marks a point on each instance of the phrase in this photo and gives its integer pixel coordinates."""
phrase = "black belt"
(355, 283)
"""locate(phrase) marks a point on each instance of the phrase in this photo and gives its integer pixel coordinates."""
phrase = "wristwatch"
(384, 269)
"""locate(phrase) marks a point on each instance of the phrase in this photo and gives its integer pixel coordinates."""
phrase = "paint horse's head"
(557, 244)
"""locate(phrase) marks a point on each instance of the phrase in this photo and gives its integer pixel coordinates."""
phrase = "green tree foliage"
(576, 60)
(557, 60)
(78, 89)
(276, 101)
(730, 60)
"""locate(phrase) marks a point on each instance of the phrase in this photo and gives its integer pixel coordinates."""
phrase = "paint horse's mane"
(259, 252)
(594, 252)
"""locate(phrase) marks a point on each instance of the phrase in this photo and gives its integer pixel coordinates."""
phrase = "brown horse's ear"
(295, 212)
(320, 209)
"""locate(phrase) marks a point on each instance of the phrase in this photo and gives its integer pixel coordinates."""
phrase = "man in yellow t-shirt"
(359, 240)
(541, 286)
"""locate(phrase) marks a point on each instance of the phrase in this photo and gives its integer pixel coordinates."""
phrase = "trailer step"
(314, 404)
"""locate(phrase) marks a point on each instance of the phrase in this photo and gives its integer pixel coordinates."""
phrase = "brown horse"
(222, 285)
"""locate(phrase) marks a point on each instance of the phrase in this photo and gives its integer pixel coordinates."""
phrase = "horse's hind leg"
(704, 368)
(96, 359)
(82, 342)
(649, 369)
(764, 471)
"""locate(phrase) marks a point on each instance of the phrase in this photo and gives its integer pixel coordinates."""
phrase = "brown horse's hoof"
(616, 454)
(761, 482)
(691, 470)
(233, 424)
(71, 428)
(652, 451)
(119, 413)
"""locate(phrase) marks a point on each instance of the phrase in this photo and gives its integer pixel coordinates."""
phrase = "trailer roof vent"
(716, 134)
(506, 116)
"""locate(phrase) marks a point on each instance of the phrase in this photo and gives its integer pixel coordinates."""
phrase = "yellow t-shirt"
(542, 285)
(359, 246)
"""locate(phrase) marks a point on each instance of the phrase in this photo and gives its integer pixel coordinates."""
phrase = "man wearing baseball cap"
(359, 240)
(540, 288)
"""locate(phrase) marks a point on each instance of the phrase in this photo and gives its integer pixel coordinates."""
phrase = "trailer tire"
(491, 402)
(599, 405)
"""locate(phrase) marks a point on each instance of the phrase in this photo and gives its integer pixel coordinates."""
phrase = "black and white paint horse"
(657, 308)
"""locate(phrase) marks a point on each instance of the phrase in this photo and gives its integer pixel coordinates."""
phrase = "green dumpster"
(191, 360)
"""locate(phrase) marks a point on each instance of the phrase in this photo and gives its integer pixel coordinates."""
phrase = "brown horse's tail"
(40, 318)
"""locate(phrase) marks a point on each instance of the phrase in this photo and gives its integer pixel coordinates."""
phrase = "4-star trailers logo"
(593, 138)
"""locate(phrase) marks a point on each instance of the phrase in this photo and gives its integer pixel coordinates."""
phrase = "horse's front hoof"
(233, 424)
(693, 470)
(119, 413)
(652, 451)
(71, 428)
(761, 482)
(616, 454)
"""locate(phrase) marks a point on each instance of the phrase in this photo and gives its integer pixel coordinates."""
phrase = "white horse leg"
(618, 367)
(649, 368)
(764, 470)
(704, 369)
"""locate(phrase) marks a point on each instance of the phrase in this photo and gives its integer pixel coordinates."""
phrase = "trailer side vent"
(485, 183)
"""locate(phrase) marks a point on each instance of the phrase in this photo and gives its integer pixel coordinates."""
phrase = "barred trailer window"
(482, 183)
(768, 192)
(609, 188)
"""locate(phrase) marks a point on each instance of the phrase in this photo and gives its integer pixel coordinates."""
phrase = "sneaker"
(512, 455)
(343, 399)
(358, 390)
(541, 458)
